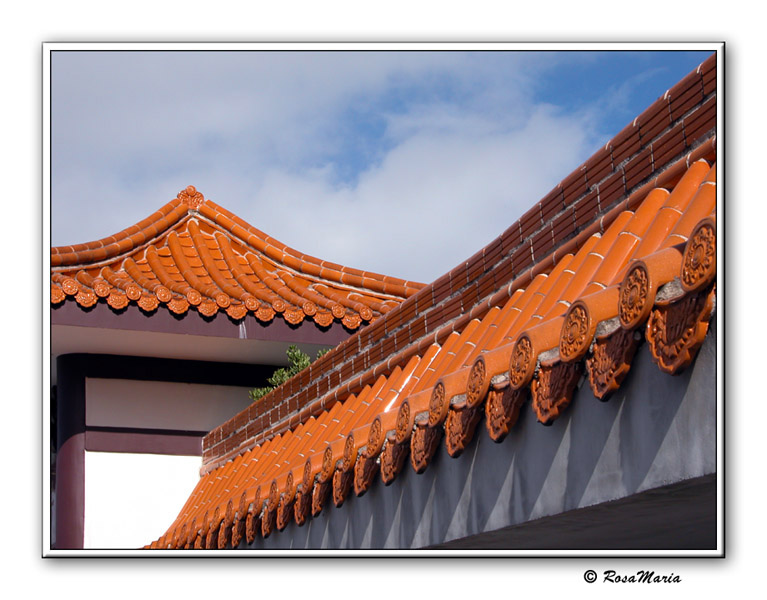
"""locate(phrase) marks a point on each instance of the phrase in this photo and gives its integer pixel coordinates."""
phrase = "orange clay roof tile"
(193, 253)
(344, 443)
(645, 266)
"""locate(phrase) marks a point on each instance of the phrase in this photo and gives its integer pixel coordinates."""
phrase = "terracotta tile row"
(405, 330)
(192, 253)
(651, 275)
(643, 155)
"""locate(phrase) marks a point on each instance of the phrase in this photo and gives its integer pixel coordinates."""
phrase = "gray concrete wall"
(656, 430)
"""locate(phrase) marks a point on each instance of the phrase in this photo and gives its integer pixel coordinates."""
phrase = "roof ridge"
(193, 253)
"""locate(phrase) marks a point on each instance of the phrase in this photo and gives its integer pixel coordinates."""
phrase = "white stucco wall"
(131, 499)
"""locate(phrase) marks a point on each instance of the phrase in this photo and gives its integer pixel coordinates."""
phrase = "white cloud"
(463, 153)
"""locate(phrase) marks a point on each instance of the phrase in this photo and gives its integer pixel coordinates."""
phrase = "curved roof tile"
(193, 253)
(617, 252)
(657, 261)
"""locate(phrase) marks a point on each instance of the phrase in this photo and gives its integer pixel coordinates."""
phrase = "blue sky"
(404, 163)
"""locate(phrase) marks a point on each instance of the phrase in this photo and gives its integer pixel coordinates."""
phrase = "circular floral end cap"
(229, 514)
(350, 456)
(242, 508)
(274, 495)
(375, 437)
(476, 385)
(223, 300)
(70, 286)
(133, 292)
(699, 260)
(574, 339)
(308, 479)
(252, 303)
(522, 363)
(633, 304)
(191, 197)
(193, 297)
(327, 464)
(437, 405)
(102, 288)
(338, 311)
(403, 429)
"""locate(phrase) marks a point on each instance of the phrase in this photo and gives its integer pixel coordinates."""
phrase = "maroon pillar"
(70, 452)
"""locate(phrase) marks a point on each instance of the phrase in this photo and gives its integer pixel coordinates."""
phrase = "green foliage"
(298, 361)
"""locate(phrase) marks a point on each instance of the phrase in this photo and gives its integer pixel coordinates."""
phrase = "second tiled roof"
(193, 253)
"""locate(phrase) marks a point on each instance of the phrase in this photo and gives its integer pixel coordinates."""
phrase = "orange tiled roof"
(193, 253)
(623, 248)
(651, 273)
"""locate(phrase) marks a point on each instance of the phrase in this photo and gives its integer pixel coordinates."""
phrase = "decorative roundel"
(289, 484)
(366, 313)
(633, 305)
(403, 429)
(476, 384)
(437, 405)
(574, 339)
(229, 515)
(279, 305)
(699, 260)
(338, 311)
(350, 456)
(133, 291)
(274, 495)
(327, 464)
(522, 364)
(70, 286)
(163, 294)
(309, 308)
(193, 297)
(252, 303)
(243, 506)
(308, 479)
(375, 437)
(223, 300)
(101, 288)
(191, 197)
